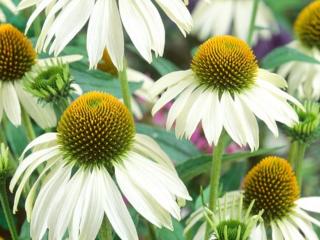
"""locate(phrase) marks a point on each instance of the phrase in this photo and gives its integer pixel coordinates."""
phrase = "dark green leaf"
(163, 66)
(95, 80)
(201, 164)
(283, 55)
(176, 234)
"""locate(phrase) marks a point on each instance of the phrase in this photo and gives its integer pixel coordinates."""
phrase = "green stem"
(152, 233)
(298, 158)
(253, 21)
(292, 153)
(27, 124)
(7, 210)
(105, 230)
(126, 94)
(215, 174)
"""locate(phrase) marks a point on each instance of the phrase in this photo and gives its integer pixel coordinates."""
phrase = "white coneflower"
(135, 76)
(303, 77)
(140, 19)
(230, 222)
(9, 5)
(225, 89)
(273, 186)
(218, 17)
(96, 141)
(17, 58)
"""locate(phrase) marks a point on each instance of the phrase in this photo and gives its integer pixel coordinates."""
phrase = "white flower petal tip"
(311, 204)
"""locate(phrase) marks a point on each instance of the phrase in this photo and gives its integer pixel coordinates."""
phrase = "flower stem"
(105, 230)
(253, 21)
(126, 94)
(7, 210)
(296, 157)
(27, 125)
(152, 233)
(215, 174)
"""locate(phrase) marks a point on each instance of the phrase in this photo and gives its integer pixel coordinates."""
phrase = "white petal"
(116, 210)
(311, 204)
(11, 103)
(141, 201)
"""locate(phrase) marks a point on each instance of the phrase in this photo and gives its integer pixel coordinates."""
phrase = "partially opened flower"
(9, 5)
(140, 19)
(135, 76)
(218, 17)
(304, 77)
(231, 221)
(225, 89)
(17, 58)
(96, 142)
(273, 186)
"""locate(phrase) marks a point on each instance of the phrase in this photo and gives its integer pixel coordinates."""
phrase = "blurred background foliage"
(192, 161)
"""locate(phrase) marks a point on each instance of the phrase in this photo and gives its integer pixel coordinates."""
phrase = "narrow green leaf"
(164, 66)
(283, 55)
(201, 164)
(95, 80)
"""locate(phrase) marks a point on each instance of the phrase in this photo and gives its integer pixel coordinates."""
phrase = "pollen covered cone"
(273, 185)
(16, 53)
(96, 130)
(307, 25)
(225, 63)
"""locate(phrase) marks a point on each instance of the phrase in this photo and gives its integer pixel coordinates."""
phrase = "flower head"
(225, 89)
(17, 53)
(231, 221)
(96, 142)
(273, 186)
(225, 63)
(52, 83)
(304, 77)
(307, 130)
(307, 25)
(96, 113)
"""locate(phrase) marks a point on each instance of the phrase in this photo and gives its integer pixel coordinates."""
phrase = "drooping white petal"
(141, 201)
(311, 204)
(276, 233)
(178, 13)
(168, 80)
(273, 78)
(116, 210)
(305, 227)
(11, 103)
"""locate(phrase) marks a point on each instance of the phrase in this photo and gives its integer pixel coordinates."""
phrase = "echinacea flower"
(9, 5)
(231, 221)
(225, 89)
(17, 58)
(96, 142)
(219, 17)
(304, 77)
(135, 76)
(273, 186)
(140, 19)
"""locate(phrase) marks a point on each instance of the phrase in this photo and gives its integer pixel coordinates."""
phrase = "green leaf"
(164, 66)
(201, 164)
(283, 55)
(178, 150)
(95, 80)
(176, 234)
